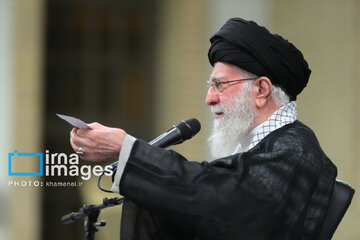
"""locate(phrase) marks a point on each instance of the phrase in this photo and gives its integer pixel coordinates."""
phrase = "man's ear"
(261, 91)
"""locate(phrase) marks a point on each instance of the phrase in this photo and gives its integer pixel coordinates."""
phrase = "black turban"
(253, 48)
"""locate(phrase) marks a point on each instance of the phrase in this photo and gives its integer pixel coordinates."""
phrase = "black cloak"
(280, 189)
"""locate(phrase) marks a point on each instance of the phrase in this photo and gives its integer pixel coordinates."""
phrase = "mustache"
(220, 108)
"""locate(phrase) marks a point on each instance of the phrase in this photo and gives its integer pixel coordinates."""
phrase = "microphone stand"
(91, 214)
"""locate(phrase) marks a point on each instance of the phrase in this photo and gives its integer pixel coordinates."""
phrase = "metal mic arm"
(91, 214)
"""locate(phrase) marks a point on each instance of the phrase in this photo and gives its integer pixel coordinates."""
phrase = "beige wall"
(25, 54)
(327, 32)
(181, 69)
(6, 106)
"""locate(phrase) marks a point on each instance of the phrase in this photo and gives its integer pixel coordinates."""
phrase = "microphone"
(177, 134)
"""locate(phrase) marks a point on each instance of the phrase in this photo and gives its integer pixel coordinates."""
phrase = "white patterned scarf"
(285, 115)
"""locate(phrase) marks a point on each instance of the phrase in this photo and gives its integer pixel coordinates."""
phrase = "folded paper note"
(74, 121)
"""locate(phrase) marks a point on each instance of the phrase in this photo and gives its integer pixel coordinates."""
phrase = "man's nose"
(212, 97)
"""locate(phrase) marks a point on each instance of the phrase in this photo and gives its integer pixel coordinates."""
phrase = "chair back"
(339, 203)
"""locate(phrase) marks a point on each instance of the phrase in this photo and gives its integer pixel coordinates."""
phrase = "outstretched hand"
(98, 144)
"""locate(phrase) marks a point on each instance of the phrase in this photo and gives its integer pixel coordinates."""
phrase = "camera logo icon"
(17, 159)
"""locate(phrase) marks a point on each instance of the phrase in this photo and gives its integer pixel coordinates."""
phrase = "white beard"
(228, 131)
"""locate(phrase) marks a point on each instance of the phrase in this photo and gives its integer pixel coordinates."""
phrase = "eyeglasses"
(218, 85)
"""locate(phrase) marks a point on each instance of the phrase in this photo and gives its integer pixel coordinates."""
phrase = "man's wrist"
(125, 151)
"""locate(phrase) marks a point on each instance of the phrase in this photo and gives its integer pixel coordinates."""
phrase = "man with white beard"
(237, 114)
(271, 179)
(234, 117)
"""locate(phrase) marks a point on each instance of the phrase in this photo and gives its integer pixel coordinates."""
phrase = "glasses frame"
(217, 83)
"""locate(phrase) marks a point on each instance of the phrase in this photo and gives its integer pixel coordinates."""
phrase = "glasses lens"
(213, 83)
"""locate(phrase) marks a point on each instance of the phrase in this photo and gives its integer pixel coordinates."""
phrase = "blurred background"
(142, 65)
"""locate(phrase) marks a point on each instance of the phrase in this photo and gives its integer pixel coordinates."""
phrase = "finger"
(73, 132)
(83, 132)
(73, 145)
(75, 139)
(77, 149)
(72, 136)
(96, 125)
(83, 142)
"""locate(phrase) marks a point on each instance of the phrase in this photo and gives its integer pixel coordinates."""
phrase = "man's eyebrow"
(216, 77)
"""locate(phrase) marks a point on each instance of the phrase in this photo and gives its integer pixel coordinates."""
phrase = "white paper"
(74, 121)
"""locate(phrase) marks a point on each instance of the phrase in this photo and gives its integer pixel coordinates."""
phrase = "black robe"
(280, 189)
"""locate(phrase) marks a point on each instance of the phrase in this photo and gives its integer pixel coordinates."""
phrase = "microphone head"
(188, 128)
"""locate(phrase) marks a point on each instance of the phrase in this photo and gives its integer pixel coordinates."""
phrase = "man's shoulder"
(296, 133)
(295, 143)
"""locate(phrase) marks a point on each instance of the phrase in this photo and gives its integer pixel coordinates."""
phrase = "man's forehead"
(224, 71)
(217, 76)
